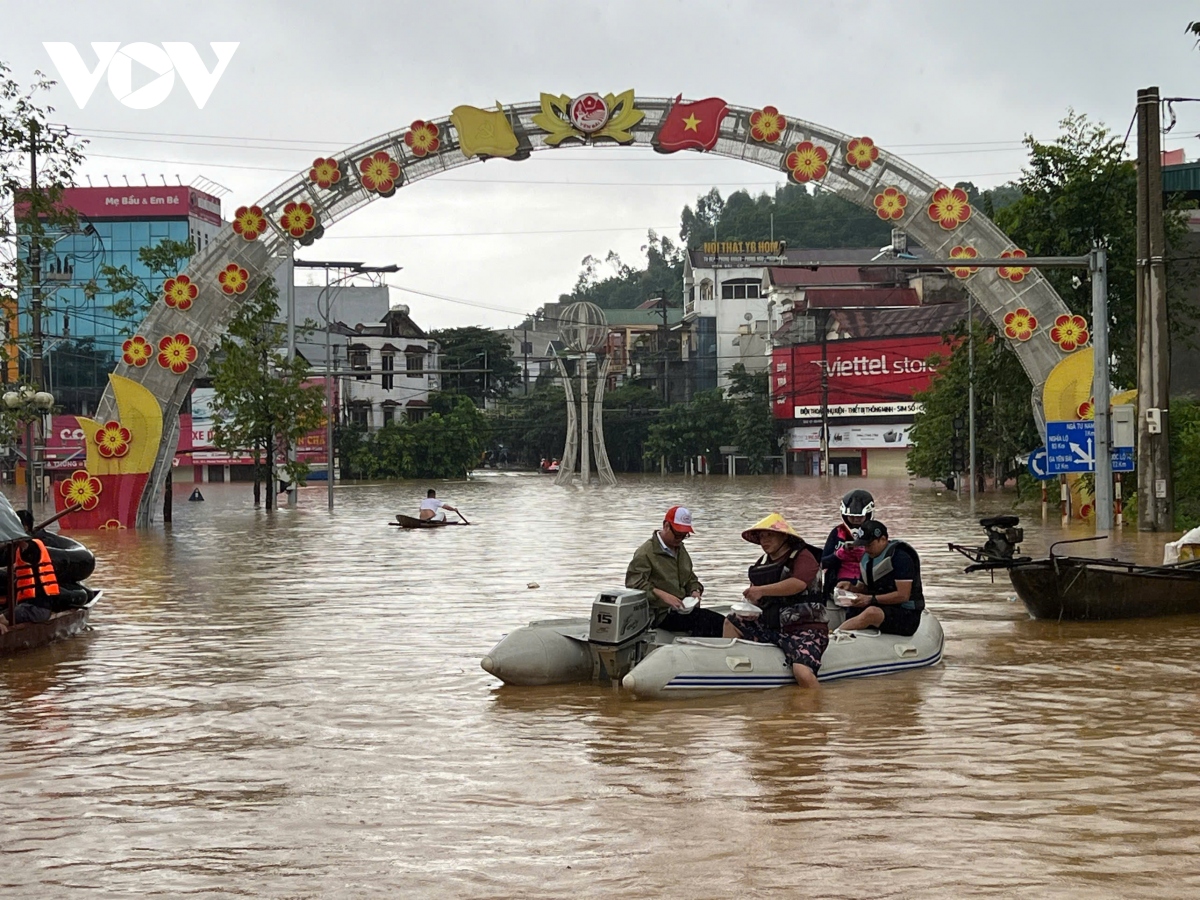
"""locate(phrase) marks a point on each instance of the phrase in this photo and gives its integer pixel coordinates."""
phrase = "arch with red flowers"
(179, 331)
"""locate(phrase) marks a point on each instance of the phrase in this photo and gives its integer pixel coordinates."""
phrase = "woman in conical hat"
(783, 584)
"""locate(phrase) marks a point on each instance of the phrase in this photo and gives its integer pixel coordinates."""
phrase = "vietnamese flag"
(691, 126)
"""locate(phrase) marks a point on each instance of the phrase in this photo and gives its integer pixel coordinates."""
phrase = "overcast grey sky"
(951, 86)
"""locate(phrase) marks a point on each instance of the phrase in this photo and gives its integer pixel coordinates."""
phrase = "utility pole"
(292, 491)
(971, 391)
(1156, 500)
(36, 375)
(525, 354)
(823, 324)
(662, 309)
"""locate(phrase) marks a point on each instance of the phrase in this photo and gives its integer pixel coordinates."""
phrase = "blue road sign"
(1039, 465)
(1071, 447)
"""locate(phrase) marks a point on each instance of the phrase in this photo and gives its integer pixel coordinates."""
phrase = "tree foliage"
(1004, 424)
(481, 349)
(134, 295)
(445, 444)
(754, 428)
(262, 401)
(791, 213)
(1076, 191)
(628, 287)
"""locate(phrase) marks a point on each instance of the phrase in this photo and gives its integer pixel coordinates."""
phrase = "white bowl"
(689, 603)
(746, 609)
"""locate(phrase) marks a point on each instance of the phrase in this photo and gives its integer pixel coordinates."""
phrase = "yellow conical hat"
(774, 522)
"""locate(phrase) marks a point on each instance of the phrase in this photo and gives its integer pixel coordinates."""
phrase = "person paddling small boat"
(433, 509)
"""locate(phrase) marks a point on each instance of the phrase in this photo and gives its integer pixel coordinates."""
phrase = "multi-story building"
(82, 333)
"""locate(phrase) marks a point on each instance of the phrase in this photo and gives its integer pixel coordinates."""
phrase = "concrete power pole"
(1156, 496)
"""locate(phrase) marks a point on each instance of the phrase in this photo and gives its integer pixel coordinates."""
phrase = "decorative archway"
(180, 331)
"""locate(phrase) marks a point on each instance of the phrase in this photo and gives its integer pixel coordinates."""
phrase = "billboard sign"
(865, 377)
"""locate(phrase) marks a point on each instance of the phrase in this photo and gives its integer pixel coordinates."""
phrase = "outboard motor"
(618, 632)
(1003, 536)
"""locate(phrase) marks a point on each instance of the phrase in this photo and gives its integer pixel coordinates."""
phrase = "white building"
(392, 368)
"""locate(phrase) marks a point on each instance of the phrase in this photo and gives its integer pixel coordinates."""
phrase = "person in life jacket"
(840, 559)
(783, 583)
(34, 581)
(888, 589)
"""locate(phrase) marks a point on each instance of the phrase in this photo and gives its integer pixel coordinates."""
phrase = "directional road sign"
(1071, 447)
(1039, 465)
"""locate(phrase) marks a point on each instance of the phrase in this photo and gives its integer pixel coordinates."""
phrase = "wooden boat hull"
(1081, 590)
(410, 522)
(31, 635)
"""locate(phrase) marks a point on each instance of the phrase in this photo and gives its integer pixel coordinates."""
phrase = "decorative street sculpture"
(584, 330)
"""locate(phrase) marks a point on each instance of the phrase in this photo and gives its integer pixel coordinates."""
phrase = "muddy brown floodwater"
(291, 705)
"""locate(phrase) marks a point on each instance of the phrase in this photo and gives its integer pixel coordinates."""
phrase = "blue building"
(82, 334)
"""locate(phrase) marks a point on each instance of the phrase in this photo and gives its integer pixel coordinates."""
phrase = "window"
(360, 415)
(414, 364)
(389, 414)
(415, 413)
(706, 289)
(360, 361)
(741, 289)
(387, 378)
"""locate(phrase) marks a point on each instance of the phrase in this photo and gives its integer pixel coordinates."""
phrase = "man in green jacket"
(663, 569)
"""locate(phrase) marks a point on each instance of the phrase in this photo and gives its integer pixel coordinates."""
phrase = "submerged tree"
(262, 402)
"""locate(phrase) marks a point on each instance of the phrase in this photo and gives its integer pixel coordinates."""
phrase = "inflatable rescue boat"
(618, 644)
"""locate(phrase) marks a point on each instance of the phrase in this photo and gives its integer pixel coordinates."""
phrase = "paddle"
(55, 518)
(461, 516)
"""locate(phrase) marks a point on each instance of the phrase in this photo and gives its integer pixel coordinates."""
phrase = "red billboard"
(867, 377)
(143, 203)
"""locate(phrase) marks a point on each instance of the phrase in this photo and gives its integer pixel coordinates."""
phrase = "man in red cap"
(663, 569)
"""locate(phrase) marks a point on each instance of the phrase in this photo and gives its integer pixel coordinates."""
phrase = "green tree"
(755, 431)
(697, 428)
(262, 400)
(629, 413)
(629, 287)
(477, 362)
(1075, 192)
(1004, 424)
(135, 295)
(533, 426)
(36, 216)
(445, 444)
(791, 214)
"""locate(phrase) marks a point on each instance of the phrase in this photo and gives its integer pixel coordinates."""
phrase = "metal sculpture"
(584, 331)
(232, 266)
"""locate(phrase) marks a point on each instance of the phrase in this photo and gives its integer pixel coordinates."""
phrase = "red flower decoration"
(949, 207)
(298, 219)
(379, 172)
(964, 252)
(249, 222)
(176, 352)
(112, 440)
(767, 125)
(422, 138)
(1069, 332)
(1020, 324)
(112, 525)
(325, 172)
(179, 292)
(81, 489)
(808, 162)
(136, 351)
(890, 204)
(1086, 409)
(861, 152)
(1013, 273)
(234, 279)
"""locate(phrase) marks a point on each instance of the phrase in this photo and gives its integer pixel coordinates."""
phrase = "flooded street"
(291, 705)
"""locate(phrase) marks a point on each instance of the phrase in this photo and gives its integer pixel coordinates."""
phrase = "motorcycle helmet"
(858, 506)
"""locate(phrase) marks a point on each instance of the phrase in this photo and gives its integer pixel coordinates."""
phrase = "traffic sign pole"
(1100, 390)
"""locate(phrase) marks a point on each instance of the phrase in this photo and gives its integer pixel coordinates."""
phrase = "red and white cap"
(680, 519)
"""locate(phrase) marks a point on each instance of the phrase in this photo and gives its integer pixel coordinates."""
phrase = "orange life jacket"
(27, 577)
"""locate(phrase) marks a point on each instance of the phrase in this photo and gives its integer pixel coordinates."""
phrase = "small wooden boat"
(29, 635)
(1081, 588)
(410, 522)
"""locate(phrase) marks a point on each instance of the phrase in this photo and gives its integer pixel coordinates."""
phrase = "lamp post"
(29, 406)
(325, 310)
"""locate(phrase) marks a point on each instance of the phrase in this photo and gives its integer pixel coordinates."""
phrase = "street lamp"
(325, 311)
(28, 406)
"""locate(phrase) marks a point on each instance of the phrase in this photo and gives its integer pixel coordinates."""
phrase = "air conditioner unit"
(744, 329)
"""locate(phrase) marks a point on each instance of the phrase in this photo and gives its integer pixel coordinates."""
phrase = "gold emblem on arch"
(557, 121)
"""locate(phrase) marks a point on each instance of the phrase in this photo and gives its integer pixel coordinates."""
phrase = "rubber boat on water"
(617, 644)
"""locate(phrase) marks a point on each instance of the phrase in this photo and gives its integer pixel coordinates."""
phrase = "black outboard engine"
(1003, 536)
